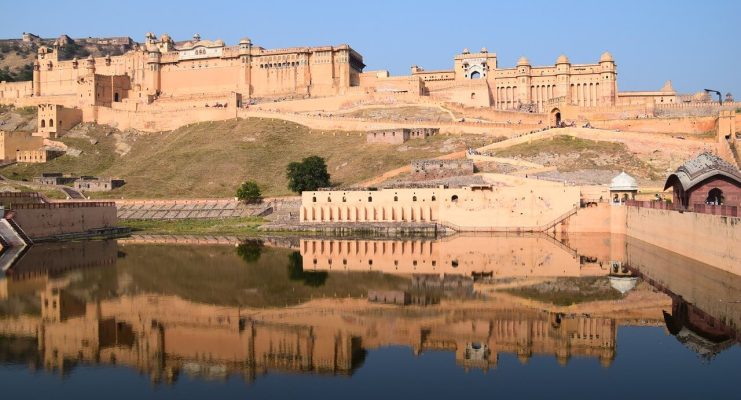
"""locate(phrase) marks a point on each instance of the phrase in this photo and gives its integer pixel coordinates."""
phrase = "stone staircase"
(14, 243)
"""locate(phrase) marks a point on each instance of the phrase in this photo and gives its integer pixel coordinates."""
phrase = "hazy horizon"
(692, 44)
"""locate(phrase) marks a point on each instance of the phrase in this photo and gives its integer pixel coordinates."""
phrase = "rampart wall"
(686, 125)
(44, 220)
(710, 239)
(10, 92)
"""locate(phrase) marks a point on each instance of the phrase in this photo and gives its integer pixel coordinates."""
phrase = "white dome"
(623, 284)
(623, 182)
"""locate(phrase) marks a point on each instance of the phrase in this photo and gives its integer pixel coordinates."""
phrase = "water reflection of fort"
(500, 256)
(164, 336)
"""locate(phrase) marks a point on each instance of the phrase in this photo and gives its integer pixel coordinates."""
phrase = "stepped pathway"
(13, 244)
(189, 209)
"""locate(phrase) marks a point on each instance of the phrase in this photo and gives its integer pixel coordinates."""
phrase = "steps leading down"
(13, 244)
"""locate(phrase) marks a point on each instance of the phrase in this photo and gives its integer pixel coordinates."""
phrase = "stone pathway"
(189, 209)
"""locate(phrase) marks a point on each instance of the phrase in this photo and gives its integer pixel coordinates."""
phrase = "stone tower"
(608, 83)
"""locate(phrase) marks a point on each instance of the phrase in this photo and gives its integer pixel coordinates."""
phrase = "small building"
(37, 156)
(623, 187)
(705, 180)
(12, 143)
(54, 120)
(399, 135)
(54, 178)
(439, 169)
(94, 184)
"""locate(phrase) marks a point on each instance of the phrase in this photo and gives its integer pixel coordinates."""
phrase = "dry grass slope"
(210, 159)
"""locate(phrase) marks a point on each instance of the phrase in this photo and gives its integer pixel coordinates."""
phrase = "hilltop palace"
(161, 74)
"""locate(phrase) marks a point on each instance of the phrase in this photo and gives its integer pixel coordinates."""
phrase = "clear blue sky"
(696, 44)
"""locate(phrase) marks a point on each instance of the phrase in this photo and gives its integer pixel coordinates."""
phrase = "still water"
(595, 316)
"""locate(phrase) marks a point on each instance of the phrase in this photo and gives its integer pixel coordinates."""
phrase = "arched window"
(329, 199)
(396, 198)
(115, 97)
(414, 198)
(313, 199)
(475, 75)
(51, 123)
(433, 198)
(370, 199)
(43, 123)
(454, 198)
(715, 197)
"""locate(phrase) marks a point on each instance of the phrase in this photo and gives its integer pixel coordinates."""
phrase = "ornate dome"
(523, 61)
(465, 51)
(165, 38)
(606, 57)
(245, 41)
(484, 50)
(218, 42)
(623, 182)
(562, 59)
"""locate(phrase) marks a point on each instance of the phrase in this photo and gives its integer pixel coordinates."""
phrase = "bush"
(249, 192)
(307, 175)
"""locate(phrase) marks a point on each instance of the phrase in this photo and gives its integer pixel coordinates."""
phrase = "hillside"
(17, 56)
(571, 154)
(210, 159)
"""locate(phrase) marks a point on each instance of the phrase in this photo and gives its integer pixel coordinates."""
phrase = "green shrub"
(249, 192)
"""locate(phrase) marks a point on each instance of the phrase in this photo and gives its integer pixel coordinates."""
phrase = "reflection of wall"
(52, 259)
(710, 289)
(530, 255)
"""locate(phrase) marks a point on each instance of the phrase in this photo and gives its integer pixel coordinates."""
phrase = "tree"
(249, 192)
(307, 175)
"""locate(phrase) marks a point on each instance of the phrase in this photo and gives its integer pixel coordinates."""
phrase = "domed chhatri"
(606, 57)
(623, 187)
(523, 61)
(623, 284)
(623, 182)
(562, 59)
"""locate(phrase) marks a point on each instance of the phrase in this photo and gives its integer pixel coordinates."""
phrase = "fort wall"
(438, 169)
(687, 125)
(683, 233)
(10, 92)
(52, 219)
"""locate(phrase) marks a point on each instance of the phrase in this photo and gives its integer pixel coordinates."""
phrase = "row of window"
(396, 198)
(283, 64)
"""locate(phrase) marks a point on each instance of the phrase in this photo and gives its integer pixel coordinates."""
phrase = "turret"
(153, 71)
(245, 48)
(523, 72)
(36, 78)
(608, 83)
(563, 77)
(90, 65)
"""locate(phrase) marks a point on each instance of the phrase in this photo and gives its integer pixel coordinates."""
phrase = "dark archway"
(115, 97)
(51, 123)
(556, 117)
(475, 75)
(715, 196)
